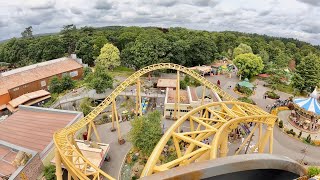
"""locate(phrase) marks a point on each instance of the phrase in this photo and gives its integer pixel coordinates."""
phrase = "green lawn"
(121, 71)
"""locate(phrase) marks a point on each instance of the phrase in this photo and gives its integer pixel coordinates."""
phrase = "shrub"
(183, 85)
(49, 172)
(280, 124)
(313, 171)
(244, 90)
(67, 82)
(300, 133)
(308, 139)
(85, 106)
(291, 132)
(272, 95)
(57, 85)
(86, 71)
(246, 100)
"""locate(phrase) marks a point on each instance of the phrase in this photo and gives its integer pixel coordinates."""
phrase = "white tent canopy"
(310, 104)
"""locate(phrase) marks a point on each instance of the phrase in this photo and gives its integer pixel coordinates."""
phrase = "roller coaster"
(212, 121)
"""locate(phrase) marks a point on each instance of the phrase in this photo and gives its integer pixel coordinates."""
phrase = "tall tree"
(27, 33)
(264, 56)
(282, 60)
(99, 80)
(307, 75)
(69, 37)
(149, 48)
(109, 57)
(85, 48)
(242, 49)
(201, 51)
(248, 65)
(146, 132)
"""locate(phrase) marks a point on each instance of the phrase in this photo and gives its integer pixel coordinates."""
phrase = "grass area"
(285, 88)
(246, 100)
(121, 71)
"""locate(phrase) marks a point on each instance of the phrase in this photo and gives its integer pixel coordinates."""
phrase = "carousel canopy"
(309, 104)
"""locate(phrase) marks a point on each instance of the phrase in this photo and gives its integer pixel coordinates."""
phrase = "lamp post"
(304, 152)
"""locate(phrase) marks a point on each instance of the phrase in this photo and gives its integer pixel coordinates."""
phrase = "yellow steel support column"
(114, 107)
(224, 144)
(138, 98)
(271, 142)
(95, 132)
(89, 132)
(265, 139)
(58, 165)
(112, 117)
(260, 133)
(202, 100)
(177, 98)
(203, 94)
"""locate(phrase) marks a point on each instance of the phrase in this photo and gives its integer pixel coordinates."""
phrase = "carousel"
(306, 113)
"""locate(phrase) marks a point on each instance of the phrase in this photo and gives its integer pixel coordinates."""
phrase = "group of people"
(278, 103)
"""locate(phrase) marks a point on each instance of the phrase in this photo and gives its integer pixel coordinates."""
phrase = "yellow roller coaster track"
(212, 118)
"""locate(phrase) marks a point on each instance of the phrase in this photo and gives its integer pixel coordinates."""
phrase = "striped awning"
(310, 104)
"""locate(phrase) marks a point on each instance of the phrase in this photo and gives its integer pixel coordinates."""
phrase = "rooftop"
(164, 83)
(7, 156)
(204, 69)
(33, 127)
(184, 99)
(27, 97)
(27, 74)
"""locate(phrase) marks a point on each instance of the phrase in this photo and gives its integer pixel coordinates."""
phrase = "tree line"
(142, 46)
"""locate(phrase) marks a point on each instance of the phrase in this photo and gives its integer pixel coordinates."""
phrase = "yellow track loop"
(212, 120)
(74, 161)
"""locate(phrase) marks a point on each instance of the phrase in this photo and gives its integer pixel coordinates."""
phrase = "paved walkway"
(117, 152)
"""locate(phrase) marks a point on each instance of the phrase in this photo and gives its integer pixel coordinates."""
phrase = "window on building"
(43, 83)
(16, 89)
(74, 73)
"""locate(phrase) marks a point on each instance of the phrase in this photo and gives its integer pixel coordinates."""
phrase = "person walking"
(218, 82)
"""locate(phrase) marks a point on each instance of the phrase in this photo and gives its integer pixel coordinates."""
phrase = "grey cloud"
(311, 2)
(38, 17)
(43, 5)
(204, 2)
(265, 13)
(76, 11)
(103, 5)
(3, 24)
(167, 3)
(312, 29)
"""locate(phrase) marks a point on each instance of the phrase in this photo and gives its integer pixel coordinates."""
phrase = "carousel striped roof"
(309, 104)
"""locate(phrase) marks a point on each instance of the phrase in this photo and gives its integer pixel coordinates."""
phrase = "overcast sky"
(287, 18)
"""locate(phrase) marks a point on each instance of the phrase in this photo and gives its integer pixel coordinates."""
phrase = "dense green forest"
(141, 46)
